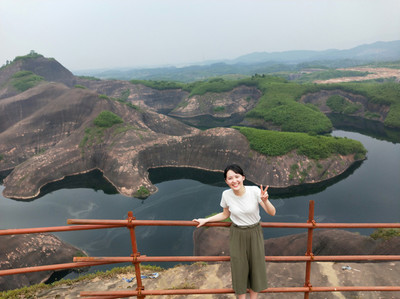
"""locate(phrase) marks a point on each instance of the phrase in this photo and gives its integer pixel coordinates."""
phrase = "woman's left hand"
(264, 193)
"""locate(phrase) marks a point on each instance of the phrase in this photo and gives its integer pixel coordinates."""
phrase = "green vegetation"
(142, 192)
(385, 233)
(387, 93)
(94, 135)
(273, 143)
(339, 104)
(31, 55)
(24, 80)
(89, 78)
(106, 119)
(217, 85)
(219, 109)
(80, 86)
(124, 95)
(1, 157)
(103, 96)
(31, 291)
(279, 107)
(160, 85)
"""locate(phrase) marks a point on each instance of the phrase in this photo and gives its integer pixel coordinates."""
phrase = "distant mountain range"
(261, 63)
(379, 51)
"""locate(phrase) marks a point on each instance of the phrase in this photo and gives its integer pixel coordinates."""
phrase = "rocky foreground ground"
(217, 275)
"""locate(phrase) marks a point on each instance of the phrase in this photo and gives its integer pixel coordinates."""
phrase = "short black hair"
(235, 168)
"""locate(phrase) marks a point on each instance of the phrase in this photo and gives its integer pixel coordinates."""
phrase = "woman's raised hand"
(264, 193)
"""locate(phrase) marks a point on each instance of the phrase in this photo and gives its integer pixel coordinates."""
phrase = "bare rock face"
(49, 69)
(19, 251)
(319, 99)
(215, 241)
(217, 109)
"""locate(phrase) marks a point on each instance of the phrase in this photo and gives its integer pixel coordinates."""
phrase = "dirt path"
(375, 73)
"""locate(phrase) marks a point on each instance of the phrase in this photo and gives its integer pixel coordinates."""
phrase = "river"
(368, 192)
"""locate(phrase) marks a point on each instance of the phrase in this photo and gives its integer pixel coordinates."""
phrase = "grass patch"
(273, 143)
(31, 291)
(106, 119)
(339, 104)
(25, 80)
(142, 192)
(385, 233)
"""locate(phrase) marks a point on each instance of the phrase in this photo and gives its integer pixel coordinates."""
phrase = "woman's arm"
(265, 203)
(268, 207)
(219, 217)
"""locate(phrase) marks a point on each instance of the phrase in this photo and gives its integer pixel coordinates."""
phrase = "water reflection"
(92, 180)
(364, 126)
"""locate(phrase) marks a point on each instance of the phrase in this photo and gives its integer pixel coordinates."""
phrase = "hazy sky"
(94, 34)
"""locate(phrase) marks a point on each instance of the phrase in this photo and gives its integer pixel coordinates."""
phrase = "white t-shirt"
(244, 209)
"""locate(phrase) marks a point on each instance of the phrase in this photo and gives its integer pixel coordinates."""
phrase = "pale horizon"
(104, 34)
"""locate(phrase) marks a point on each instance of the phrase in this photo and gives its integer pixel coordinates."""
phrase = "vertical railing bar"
(135, 255)
(307, 282)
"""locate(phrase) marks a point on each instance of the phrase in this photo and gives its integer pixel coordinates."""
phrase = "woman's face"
(234, 180)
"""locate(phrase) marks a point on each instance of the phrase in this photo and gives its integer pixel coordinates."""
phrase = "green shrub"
(104, 97)
(385, 233)
(24, 80)
(31, 55)
(106, 119)
(217, 85)
(80, 86)
(142, 192)
(393, 117)
(89, 78)
(219, 109)
(339, 104)
(160, 85)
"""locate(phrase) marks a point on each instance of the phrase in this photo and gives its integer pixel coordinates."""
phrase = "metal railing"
(136, 258)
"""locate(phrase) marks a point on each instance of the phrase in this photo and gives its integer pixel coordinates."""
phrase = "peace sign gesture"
(264, 193)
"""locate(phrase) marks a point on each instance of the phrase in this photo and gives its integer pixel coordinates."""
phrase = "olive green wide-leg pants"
(247, 258)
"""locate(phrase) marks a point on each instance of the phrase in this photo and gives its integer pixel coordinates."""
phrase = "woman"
(246, 241)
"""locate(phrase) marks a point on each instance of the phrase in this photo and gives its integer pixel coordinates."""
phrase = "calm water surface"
(369, 192)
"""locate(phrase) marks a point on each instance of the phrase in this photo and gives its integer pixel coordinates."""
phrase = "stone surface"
(214, 241)
(20, 251)
(217, 276)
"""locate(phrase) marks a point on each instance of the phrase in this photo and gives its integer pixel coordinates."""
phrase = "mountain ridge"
(259, 62)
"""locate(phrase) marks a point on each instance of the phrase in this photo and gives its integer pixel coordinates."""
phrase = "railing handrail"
(131, 222)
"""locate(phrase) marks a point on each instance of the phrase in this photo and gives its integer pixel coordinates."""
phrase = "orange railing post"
(309, 252)
(135, 255)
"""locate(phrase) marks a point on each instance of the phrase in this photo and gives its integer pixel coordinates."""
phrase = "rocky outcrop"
(19, 251)
(217, 109)
(319, 99)
(50, 69)
(215, 241)
(161, 101)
